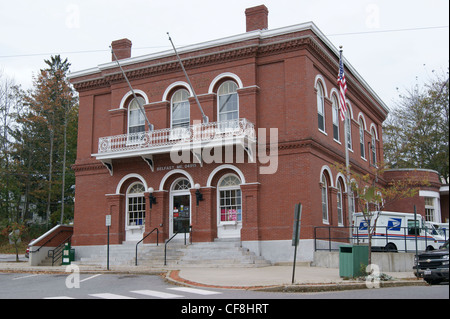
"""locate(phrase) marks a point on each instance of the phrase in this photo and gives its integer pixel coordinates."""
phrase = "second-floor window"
(136, 119)
(321, 107)
(228, 102)
(361, 138)
(180, 109)
(335, 118)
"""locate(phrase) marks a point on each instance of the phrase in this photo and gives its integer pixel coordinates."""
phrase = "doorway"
(180, 208)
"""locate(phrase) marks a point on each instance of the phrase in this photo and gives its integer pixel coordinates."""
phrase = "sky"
(392, 44)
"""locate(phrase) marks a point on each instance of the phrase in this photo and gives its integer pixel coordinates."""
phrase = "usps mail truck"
(394, 232)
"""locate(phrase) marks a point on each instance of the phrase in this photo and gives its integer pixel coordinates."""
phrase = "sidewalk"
(273, 278)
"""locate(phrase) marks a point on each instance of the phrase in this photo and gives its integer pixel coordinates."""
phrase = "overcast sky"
(369, 30)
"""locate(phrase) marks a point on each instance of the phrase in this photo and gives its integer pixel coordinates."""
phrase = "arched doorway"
(180, 207)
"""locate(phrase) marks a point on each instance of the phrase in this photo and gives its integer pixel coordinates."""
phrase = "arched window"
(228, 101)
(335, 107)
(324, 188)
(136, 205)
(230, 199)
(182, 184)
(340, 203)
(361, 138)
(348, 124)
(136, 119)
(373, 148)
(180, 109)
(321, 106)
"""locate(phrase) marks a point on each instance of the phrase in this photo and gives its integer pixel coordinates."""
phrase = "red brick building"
(260, 86)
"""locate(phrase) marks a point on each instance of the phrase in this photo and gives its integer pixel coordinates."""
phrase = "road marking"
(196, 291)
(17, 278)
(110, 296)
(158, 294)
(85, 279)
(59, 297)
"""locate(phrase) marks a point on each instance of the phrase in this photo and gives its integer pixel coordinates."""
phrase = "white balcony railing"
(160, 141)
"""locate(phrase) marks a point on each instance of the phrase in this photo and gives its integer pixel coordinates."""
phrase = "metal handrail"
(157, 242)
(58, 249)
(165, 245)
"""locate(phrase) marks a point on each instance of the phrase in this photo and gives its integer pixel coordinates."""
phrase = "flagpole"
(347, 160)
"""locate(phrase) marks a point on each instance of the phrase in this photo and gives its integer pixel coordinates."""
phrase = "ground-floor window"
(136, 205)
(230, 201)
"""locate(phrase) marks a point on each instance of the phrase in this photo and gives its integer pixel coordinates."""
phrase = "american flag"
(343, 88)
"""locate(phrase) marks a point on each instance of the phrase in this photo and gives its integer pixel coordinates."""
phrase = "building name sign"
(171, 167)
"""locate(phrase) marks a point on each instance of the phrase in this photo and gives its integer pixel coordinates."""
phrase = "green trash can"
(68, 254)
(351, 259)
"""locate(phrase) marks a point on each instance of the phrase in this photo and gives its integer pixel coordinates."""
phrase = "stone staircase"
(227, 253)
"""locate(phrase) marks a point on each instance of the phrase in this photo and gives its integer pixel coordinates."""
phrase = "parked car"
(432, 266)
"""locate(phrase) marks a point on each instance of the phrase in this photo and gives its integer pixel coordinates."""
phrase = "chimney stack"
(122, 49)
(257, 18)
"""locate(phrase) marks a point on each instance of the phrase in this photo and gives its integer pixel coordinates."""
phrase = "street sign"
(296, 234)
(297, 222)
(108, 220)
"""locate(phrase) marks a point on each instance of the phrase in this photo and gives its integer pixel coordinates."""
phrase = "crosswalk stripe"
(196, 291)
(158, 294)
(110, 296)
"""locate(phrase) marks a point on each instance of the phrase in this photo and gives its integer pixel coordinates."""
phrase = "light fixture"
(198, 195)
(151, 198)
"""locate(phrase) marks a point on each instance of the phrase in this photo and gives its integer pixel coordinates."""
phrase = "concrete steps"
(225, 253)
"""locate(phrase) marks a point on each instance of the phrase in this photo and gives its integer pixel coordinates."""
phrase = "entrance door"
(180, 214)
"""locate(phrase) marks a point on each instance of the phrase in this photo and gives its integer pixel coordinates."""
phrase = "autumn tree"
(416, 131)
(372, 194)
(51, 110)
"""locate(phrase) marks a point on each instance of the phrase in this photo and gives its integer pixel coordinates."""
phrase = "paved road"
(105, 286)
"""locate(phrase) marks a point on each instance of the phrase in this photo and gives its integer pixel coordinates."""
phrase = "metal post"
(415, 232)
(107, 253)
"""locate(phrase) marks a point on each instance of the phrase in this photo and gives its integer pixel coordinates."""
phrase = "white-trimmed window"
(180, 109)
(429, 209)
(230, 199)
(335, 108)
(340, 204)
(228, 102)
(373, 148)
(361, 138)
(324, 190)
(348, 124)
(136, 205)
(320, 107)
(136, 119)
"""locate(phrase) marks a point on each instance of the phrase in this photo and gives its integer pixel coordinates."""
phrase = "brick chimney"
(257, 18)
(122, 49)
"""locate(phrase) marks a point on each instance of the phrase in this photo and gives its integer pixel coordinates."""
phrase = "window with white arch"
(136, 205)
(228, 102)
(321, 107)
(230, 199)
(136, 119)
(324, 191)
(180, 109)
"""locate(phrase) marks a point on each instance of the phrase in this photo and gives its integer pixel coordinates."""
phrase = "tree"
(416, 132)
(52, 108)
(372, 194)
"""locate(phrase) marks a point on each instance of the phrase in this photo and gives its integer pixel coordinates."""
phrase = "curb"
(173, 277)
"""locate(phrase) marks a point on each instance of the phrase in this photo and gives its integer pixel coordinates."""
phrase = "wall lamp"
(198, 195)
(151, 197)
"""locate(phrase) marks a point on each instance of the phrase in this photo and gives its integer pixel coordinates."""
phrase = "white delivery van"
(394, 232)
(437, 229)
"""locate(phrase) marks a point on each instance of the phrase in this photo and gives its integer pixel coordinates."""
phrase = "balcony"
(194, 137)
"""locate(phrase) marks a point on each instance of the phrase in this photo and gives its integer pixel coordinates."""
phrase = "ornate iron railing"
(202, 132)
